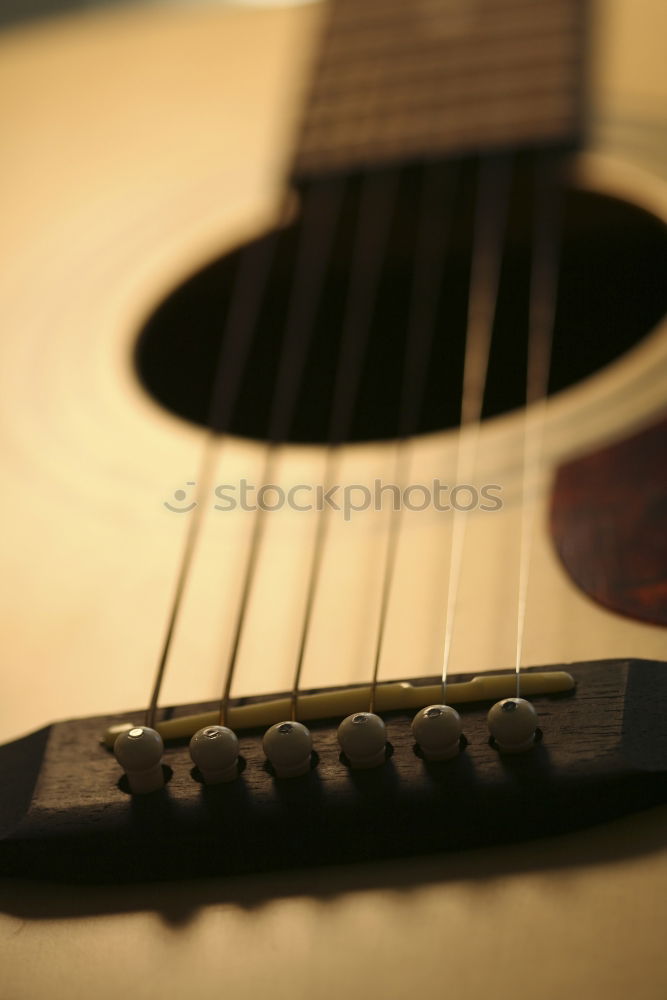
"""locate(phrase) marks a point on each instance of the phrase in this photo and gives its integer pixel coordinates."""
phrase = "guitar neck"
(403, 81)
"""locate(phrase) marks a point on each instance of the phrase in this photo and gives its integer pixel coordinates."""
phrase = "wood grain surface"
(600, 753)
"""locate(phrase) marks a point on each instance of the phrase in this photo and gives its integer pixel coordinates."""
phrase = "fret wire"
(471, 54)
(424, 95)
(400, 147)
(240, 325)
(541, 316)
(321, 211)
(361, 22)
(491, 210)
(519, 38)
(434, 218)
(377, 199)
(517, 64)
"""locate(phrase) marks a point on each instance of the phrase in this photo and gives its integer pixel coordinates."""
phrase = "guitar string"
(434, 215)
(490, 221)
(321, 212)
(253, 271)
(541, 316)
(255, 267)
(475, 368)
(378, 196)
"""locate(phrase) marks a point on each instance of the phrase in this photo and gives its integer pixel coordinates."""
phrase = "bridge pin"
(513, 724)
(363, 739)
(139, 752)
(215, 751)
(437, 730)
(288, 745)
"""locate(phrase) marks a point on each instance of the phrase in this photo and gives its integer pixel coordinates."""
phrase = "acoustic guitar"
(171, 212)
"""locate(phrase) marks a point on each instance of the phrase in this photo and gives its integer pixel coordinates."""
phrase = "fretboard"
(402, 80)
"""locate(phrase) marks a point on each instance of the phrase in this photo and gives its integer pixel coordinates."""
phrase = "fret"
(399, 82)
(465, 63)
(460, 94)
(354, 32)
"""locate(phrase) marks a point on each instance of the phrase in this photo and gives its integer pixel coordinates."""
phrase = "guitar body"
(146, 142)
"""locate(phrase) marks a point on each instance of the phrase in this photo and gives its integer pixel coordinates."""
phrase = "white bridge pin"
(139, 752)
(363, 739)
(288, 745)
(215, 751)
(437, 730)
(513, 724)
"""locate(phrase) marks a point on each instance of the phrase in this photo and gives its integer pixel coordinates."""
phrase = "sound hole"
(611, 293)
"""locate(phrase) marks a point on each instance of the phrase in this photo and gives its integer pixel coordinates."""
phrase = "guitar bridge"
(66, 813)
